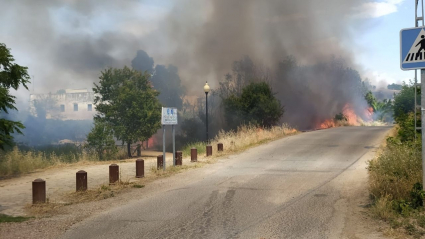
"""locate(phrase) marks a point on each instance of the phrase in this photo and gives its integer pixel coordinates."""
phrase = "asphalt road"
(289, 188)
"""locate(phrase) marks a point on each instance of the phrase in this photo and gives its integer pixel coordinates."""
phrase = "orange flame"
(150, 143)
(350, 115)
(329, 123)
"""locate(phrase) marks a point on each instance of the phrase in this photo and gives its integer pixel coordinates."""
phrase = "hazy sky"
(380, 43)
(43, 35)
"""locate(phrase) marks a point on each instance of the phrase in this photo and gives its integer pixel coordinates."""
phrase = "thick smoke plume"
(66, 44)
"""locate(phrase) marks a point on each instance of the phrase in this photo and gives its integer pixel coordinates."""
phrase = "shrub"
(256, 105)
(395, 172)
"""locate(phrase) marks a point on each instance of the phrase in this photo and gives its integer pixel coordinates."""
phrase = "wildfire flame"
(329, 123)
(351, 117)
(151, 142)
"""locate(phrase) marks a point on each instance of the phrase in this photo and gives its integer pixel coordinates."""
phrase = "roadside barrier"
(209, 150)
(81, 183)
(179, 158)
(38, 191)
(114, 173)
(193, 155)
(219, 147)
(159, 162)
(140, 168)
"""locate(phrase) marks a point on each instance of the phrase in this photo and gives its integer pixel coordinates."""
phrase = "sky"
(379, 45)
(374, 49)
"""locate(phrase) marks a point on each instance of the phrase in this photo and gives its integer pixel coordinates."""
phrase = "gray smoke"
(67, 43)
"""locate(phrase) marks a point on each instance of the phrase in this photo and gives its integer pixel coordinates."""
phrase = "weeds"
(395, 172)
(394, 186)
(16, 161)
(245, 137)
(7, 218)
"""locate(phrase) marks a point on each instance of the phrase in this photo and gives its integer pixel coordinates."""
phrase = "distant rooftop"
(70, 91)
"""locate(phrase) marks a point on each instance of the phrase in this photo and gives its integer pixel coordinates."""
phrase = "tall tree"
(11, 76)
(143, 62)
(404, 102)
(167, 81)
(126, 101)
(256, 105)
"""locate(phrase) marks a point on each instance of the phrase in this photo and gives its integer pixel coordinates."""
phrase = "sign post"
(412, 57)
(169, 117)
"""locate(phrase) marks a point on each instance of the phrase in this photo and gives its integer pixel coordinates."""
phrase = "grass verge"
(7, 218)
(395, 177)
(245, 137)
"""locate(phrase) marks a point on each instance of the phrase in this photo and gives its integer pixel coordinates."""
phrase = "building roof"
(70, 91)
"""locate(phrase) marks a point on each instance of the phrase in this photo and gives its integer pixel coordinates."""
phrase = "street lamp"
(206, 90)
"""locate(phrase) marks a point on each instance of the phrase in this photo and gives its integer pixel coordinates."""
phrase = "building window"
(75, 107)
(89, 107)
(62, 108)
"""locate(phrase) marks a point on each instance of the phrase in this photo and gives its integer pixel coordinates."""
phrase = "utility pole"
(417, 19)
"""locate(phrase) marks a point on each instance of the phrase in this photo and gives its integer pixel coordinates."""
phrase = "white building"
(69, 104)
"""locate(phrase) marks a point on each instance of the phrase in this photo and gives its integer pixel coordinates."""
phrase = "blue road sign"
(412, 48)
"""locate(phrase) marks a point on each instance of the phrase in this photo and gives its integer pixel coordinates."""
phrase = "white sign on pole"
(169, 116)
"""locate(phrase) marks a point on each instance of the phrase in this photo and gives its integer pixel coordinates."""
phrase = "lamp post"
(206, 90)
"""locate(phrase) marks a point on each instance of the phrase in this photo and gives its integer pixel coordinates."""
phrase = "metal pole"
(206, 103)
(423, 125)
(174, 145)
(422, 6)
(163, 145)
(416, 107)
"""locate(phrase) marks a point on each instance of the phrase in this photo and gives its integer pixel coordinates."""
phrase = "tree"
(143, 62)
(256, 105)
(167, 81)
(101, 140)
(394, 86)
(383, 109)
(371, 100)
(126, 101)
(11, 76)
(404, 102)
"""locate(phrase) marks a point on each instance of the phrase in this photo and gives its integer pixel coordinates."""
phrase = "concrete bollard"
(38, 191)
(193, 155)
(209, 150)
(159, 162)
(220, 147)
(179, 158)
(81, 180)
(114, 173)
(140, 168)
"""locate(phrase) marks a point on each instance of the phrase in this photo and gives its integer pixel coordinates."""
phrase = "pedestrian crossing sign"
(412, 48)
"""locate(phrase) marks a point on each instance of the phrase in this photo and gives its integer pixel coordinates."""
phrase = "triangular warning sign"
(417, 50)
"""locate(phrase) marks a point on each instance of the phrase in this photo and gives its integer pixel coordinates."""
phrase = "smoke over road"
(66, 44)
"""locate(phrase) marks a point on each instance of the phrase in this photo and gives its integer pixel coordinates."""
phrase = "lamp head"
(206, 88)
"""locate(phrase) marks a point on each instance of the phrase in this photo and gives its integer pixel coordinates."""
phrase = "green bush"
(395, 172)
(256, 105)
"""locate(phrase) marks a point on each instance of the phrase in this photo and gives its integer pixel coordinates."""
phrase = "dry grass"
(373, 123)
(382, 208)
(244, 138)
(392, 176)
(17, 162)
(100, 193)
(394, 172)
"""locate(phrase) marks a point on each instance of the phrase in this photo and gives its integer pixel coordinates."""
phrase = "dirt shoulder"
(355, 201)
(16, 193)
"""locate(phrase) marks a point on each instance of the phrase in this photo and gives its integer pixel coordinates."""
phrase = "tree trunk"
(139, 150)
(128, 149)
